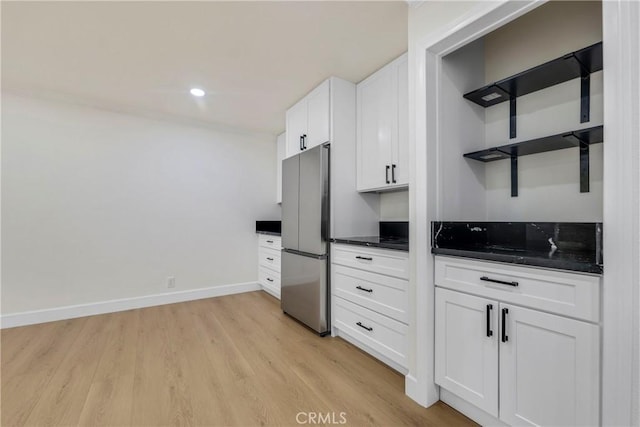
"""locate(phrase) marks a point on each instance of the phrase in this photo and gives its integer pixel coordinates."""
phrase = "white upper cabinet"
(308, 123)
(280, 152)
(382, 128)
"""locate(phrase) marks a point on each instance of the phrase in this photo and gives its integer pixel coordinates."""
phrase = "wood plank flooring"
(228, 361)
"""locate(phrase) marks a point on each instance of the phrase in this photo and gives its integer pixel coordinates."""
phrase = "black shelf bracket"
(514, 175)
(512, 117)
(585, 95)
(580, 138)
(578, 64)
(584, 167)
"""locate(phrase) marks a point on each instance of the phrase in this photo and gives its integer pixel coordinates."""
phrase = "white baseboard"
(467, 409)
(364, 347)
(271, 290)
(412, 389)
(112, 306)
(419, 392)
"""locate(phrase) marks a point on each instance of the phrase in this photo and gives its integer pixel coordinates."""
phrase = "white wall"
(548, 183)
(462, 183)
(99, 205)
(394, 206)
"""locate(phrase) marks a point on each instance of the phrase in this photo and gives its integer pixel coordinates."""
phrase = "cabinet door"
(549, 371)
(296, 127)
(280, 153)
(466, 344)
(318, 116)
(375, 129)
(401, 145)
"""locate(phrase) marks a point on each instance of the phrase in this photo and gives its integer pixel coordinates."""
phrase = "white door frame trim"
(621, 229)
(621, 320)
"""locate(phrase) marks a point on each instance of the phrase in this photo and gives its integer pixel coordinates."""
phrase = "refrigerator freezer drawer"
(304, 290)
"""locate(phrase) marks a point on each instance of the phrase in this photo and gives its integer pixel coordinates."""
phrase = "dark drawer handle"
(368, 328)
(489, 331)
(366, 258)
(505, 311)
(387, 174)
(269, 241)
(269, 279)
(270, 259)
(502, 282)
(364, 289)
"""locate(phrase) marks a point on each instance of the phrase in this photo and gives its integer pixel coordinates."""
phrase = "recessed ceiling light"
(197, 92)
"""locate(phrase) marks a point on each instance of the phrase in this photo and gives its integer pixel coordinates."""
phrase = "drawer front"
(388, 262)
(269, 258)
(569, 294)
(384, 294)
(382, 334)
(269, 279)
(267, 241)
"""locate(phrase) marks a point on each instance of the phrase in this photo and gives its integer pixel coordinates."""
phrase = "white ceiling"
(255, 59)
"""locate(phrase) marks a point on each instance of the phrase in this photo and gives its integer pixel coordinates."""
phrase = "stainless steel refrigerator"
(305, 235)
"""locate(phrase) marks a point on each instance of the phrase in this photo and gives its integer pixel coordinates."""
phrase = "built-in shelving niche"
(579, 138)
(578, 64)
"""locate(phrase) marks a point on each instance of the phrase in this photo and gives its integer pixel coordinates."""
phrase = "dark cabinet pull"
(269, 279)
(301, 138)
(368, 328)
(489, 331)
(366, 258)
(364, 289)
(269, 241)
(270, 259)
(505, 311)
(304, 141)
(502, 282)
(393, 173)
(386, 174)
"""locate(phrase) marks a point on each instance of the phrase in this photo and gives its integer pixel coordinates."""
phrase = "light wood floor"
(232, 361)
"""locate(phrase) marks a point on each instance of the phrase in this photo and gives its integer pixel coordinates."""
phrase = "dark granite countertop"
(561, 261)
(564, 246)
(272, 228)
(392, 235)
(376, 242)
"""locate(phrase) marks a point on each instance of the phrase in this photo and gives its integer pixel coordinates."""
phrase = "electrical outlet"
(171, 282)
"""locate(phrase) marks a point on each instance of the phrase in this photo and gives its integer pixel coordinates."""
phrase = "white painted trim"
(621, 217)
(469, 410)
(112, 306)
(271, 291)
(425, 60)
(336, 332)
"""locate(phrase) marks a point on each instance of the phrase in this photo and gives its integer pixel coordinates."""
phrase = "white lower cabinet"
(467, 348)
(369, 297)
(549, 370)
(521, 365)
(269, 263)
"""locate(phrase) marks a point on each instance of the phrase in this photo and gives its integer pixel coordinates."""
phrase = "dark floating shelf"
(565, 68)
(580, 63)
(540, 145)
(578, 138)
